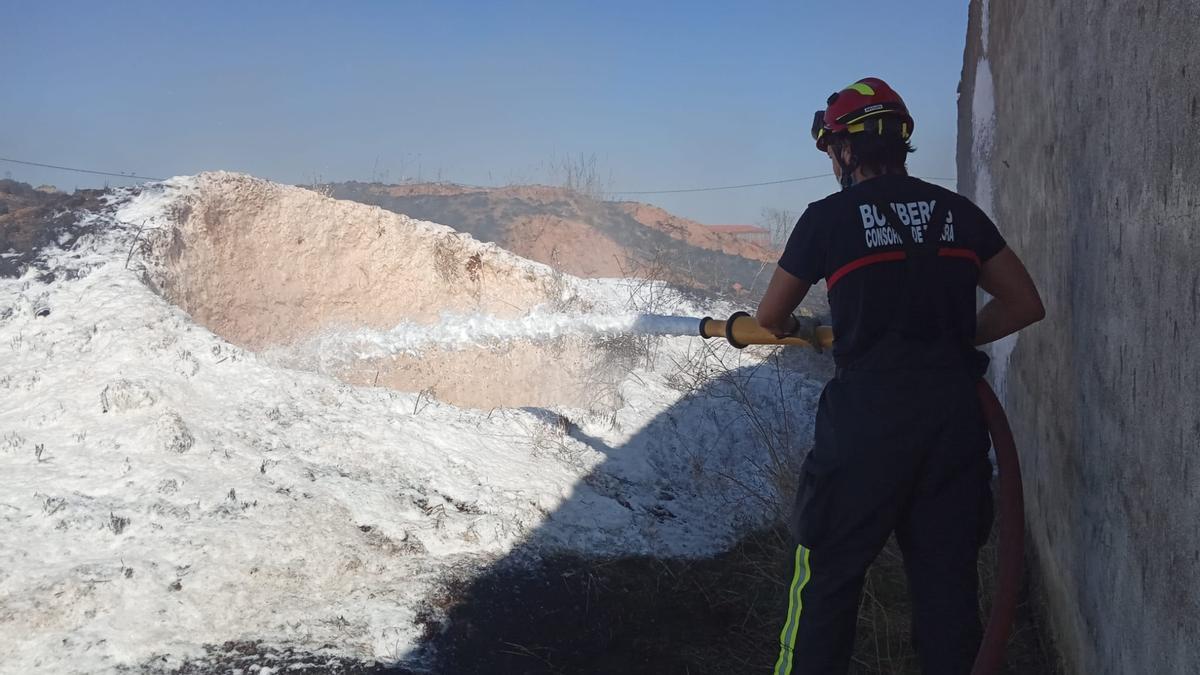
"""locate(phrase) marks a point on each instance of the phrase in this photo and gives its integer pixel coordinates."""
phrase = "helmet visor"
(818, 127)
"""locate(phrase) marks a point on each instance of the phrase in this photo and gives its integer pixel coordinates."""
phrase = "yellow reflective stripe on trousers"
(787, 638)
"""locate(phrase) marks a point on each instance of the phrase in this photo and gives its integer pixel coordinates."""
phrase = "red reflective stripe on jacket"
(960, 253)
(862, 262)
(889, 256)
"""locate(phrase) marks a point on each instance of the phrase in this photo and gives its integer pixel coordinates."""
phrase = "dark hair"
(874, 153)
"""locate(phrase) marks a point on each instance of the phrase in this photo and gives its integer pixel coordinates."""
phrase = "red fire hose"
(1012, 536)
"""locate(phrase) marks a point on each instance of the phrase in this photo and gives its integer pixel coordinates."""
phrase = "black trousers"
(902, 452)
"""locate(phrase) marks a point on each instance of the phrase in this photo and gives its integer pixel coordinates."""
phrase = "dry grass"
(719, 615)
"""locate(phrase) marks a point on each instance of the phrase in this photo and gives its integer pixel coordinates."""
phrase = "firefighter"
(900, 444)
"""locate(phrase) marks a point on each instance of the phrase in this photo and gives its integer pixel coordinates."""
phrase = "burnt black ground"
(567, 615)
(31, 220)
(254, 656)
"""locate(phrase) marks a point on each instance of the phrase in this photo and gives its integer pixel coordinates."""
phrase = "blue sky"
(664, 94)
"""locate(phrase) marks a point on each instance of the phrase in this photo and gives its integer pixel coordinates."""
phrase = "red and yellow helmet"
(867, 106)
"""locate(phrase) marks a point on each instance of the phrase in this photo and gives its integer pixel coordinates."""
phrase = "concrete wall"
(1080, 133)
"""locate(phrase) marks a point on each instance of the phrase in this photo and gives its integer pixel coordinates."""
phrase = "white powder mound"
(262, 263)
(165, 488)
(357, 292)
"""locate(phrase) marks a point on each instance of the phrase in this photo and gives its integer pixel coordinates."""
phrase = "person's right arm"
(1015, 301)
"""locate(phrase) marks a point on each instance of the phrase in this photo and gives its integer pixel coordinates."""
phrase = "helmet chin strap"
(848, 169)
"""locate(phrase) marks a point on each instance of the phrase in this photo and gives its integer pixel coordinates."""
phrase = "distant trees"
(12, 187)
(780, 222)
(581, 174)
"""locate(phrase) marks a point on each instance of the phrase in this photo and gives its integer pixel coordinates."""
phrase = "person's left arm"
(784, 294)
(801, 265)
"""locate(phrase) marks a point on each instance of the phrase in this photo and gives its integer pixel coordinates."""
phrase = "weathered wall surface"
(1090, 164)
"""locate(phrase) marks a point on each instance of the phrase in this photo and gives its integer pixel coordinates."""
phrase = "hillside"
(579, 235)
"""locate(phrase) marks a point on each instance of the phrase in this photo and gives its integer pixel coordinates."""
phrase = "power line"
(68, 168)
(620, 192)
(749, 185)
(722, 187)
